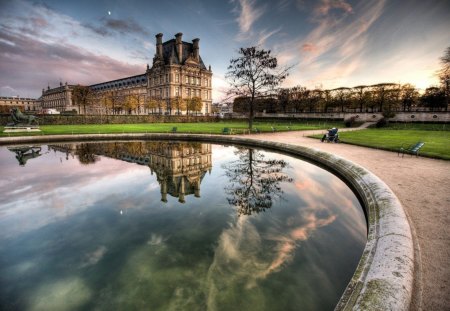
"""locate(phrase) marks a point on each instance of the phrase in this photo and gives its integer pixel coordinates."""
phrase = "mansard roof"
(171, 57)
(124, 82)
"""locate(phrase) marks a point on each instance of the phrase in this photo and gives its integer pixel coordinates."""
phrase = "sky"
(327, 43)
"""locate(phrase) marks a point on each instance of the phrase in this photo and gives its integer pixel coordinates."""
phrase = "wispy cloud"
(110, 26)
(248, 14)
(54, 47)
(265, 34)
(51, 61)
(325, 6)
(334, 48)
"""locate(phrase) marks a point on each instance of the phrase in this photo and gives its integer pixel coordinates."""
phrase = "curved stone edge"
(383, 279)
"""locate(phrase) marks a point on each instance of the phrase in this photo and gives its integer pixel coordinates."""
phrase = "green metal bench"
(227, 131)
(256, 130)
(413, 149)
(174, 129)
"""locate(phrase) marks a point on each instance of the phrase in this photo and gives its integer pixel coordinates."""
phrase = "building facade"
(25, 104)
(178, 76)
(178, 72)
(122, 96)
(59, 98)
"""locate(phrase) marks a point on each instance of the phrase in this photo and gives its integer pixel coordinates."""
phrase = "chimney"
(159, 52)
(179, 45)
(196, 49)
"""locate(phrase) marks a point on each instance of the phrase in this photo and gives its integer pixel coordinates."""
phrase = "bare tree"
(444, 74)
(342, 96)
(179, 104)
(131, 102)
(360, 95)
(151, 104)
(409, 96)
(254, 73)
(82, 96)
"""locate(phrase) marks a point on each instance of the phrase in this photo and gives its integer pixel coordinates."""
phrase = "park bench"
(256, 130)
(174, 129)
(413, 149)
(273, 129)
(227, 131)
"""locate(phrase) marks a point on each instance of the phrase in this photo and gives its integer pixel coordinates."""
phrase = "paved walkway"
(423, 187)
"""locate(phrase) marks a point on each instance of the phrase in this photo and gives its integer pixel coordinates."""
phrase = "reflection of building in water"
(180, 168)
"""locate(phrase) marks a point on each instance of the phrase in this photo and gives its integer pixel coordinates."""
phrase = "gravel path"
(423, 187)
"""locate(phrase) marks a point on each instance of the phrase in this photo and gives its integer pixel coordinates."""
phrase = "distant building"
(178, 71)
(59, 98)
(25, 104)
(116, 92)
(223, 109)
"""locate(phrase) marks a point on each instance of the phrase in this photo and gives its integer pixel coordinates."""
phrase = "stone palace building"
(177, 73)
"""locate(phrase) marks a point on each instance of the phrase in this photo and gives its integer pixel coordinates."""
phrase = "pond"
(172, 226)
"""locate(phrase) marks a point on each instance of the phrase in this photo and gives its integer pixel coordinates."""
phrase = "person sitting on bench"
(331, 135)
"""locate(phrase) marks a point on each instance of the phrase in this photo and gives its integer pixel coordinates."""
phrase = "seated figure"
(331, 136)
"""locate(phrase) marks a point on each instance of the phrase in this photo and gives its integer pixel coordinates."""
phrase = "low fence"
(112, 119)
(365, 116)
(437, 117)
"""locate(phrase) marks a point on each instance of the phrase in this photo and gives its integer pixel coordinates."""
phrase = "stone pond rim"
(383, 279)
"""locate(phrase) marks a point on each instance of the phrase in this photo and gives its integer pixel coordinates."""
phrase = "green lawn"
(418, 126)
(437, 143)
(238, 127)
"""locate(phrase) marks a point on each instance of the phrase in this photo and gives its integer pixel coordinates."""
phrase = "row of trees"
(113, 102)
(383, 97)
(254, 78)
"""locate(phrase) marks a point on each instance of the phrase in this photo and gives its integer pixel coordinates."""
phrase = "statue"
(21, 119)
(23, 154)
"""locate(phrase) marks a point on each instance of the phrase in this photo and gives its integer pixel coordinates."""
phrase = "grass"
(437, 143)
(418, 126)
(238, 127)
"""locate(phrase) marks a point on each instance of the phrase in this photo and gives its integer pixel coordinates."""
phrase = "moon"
(109, 12)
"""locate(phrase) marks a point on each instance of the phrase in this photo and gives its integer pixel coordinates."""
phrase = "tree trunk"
(250, 119)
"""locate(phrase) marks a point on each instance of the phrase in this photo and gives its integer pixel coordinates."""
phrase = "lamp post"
(447, 93)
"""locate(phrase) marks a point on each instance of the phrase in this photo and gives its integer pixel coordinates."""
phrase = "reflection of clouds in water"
(243, 258)
(287, 243)
(319, 189)
(156, 239)
(245, 253)
(52, 195)
(222, 154)
(240, 246)
(65, 294)
(94, 257)
(240, 257)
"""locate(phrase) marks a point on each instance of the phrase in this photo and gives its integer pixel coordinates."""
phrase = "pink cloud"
(327, 5)
(48, 62)
(309, 47)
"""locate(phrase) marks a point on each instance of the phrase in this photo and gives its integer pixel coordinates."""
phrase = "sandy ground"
(423, 187)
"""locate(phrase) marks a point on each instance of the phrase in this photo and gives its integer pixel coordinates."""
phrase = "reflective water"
(172, 226)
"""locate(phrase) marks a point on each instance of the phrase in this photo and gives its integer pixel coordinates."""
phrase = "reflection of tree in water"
(86, 153)
(254, 181)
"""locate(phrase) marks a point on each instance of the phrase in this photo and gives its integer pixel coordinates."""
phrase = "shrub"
(388, 114)
(382, 122)
(350, 121)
